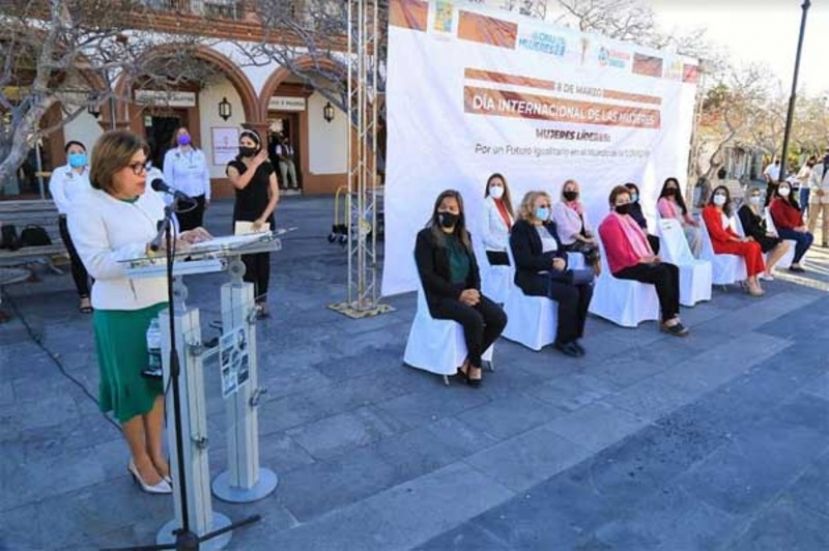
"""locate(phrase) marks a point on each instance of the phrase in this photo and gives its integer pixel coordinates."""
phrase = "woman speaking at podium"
(116, 221)
(257, 192)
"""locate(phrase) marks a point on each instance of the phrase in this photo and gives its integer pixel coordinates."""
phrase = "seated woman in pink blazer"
(629, 256)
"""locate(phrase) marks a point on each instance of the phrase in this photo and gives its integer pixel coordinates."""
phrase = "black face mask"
(670, 192)
(622, 209)
(448, 219)
(247, 151)
(571, 195)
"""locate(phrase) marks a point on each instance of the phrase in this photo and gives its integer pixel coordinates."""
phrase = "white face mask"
(755, 200)
(719, 200)
(784, 191)
(496, 191)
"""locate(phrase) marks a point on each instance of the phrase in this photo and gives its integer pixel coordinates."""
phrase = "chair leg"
(446, 380)
(490, 365)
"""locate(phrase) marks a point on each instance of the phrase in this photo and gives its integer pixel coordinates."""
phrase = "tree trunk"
(19, 147)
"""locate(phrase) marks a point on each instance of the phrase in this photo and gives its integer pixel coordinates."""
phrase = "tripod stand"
(179, 533)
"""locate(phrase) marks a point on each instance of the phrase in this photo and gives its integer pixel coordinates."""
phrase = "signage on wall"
(166, 98)
(286, 103)
(225, 144)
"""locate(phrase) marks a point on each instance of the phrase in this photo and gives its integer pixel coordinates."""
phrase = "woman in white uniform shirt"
(116, 221)
(185, 169)
(67, 184)
(498, 220)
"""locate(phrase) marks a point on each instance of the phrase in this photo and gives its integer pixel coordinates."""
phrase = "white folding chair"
(727, 269)
(789, 256)
(695, 276)
(436, 345)
(623, 301)
(531, 320)
(495, 280)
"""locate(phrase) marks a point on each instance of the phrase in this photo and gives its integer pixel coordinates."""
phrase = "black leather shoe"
(568, 349)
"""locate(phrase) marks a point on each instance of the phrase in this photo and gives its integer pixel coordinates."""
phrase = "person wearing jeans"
(789, 223)
(629, 256)
(67, 184)
(451, 282)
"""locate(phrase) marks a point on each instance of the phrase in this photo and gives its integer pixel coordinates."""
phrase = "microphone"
(159, 185)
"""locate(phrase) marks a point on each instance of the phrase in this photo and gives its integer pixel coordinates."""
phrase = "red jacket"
(784, 215)
(619, 252)
(713, 222)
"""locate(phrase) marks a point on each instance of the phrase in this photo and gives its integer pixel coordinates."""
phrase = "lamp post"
(790, 114)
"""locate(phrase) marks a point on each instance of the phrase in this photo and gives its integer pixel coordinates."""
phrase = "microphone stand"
(186, 539)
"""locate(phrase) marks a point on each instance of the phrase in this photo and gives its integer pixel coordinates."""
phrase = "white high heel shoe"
(162, 487)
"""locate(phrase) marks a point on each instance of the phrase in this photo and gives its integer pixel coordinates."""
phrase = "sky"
(762, 31)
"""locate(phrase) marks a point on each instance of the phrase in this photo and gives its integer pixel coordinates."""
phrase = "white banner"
(471, 92)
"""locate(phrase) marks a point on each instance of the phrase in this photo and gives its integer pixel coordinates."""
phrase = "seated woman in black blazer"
(754, 225)
(541, 270)
(635, 211)
(449, 273)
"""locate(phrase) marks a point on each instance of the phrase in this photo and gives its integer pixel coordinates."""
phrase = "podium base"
(264, 487)
(165, 535)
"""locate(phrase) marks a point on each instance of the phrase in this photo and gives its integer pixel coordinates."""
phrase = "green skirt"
(121, 343)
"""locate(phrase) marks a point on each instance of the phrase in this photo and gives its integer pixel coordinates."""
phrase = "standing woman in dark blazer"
(541, 270)
(257, 193)
(449, 273)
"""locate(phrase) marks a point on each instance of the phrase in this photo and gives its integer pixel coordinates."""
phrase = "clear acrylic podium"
(245, 480)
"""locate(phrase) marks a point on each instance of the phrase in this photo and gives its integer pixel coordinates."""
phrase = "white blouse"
(107, 231)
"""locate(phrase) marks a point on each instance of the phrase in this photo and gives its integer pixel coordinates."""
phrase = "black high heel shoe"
(473, 382)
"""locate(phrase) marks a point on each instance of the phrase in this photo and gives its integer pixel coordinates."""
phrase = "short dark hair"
(70, 143)
(616, 192)
(111, 153)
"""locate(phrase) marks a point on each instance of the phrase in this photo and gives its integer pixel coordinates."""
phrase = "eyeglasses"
(139, 168)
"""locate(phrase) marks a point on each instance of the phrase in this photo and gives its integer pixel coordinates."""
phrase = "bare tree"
(69, 53)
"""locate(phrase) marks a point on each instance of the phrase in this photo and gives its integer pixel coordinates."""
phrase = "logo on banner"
(690, 73)
(443, 16)
(545, 43)
(674, 70)
(613, 58)
(647, 65)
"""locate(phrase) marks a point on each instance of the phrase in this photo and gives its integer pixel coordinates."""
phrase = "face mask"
(77, 160)
(622, 209)
(571, 195)
(633, 197)
(542, 213)
(755, 200)
(496, 191)
(719, 200)
(184, 139)
(448, 219)
(671, 192)
(784, 191)
(247, 151)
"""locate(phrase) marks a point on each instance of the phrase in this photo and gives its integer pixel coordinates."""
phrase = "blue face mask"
(634, 197)
(77, 160)
(542, 213)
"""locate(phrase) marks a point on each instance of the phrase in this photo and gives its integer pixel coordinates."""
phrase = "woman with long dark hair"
(671, 204)
(498, 220)
(635, 212)
(257, 193)
(788, 219)
(449, 273)
(724, 240)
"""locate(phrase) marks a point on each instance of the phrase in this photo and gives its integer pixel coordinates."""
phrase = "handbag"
(582, 276)
(8, 237)
(34, 236)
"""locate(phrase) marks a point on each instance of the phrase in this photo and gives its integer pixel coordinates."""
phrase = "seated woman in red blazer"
(630, 256)
(726, 241)
(788, 220)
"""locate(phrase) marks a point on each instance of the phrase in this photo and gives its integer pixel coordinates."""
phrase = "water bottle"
(153, 349)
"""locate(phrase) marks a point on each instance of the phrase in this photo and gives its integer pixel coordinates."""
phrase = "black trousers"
(654, 241)
(665, 277)
(573, 301)
(79, 273)
(193, 218)
(258, 272)
(497, 258)
(482, 323)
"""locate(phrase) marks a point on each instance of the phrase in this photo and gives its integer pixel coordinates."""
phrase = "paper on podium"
(227, 242)
(244, 228)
